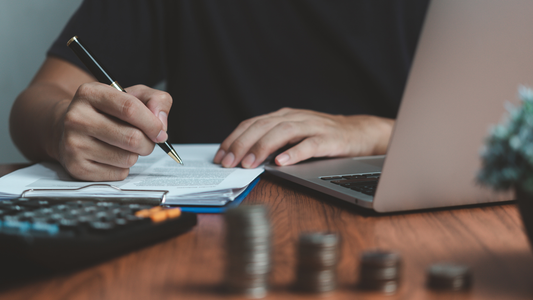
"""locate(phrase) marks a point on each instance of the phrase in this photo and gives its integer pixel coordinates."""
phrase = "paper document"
(198, 182)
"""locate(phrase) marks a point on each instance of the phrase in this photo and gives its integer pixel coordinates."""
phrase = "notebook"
(471, 58)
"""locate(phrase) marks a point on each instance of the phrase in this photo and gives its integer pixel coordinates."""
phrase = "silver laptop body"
(471, 58)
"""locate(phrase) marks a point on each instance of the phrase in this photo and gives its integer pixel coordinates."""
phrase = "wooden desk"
(488, 238)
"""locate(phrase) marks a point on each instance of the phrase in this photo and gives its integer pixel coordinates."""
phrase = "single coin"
(385, 273)
(449, 276)
(380, 258)
(383, 286)
(319, 239)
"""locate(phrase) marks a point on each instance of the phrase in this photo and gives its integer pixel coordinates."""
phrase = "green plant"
(507, 157)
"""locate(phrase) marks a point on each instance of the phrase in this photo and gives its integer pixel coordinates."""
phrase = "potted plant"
(507, 157)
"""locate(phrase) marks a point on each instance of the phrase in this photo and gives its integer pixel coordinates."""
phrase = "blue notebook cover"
(221, 209)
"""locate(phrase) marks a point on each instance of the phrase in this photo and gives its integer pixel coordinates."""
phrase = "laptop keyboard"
(364, 183)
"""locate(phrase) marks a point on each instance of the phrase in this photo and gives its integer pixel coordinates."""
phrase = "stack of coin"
(449, 276)
(248, 245)
(380, 271)
(318, 255)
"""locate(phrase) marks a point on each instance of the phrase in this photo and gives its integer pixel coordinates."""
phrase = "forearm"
(35, 120)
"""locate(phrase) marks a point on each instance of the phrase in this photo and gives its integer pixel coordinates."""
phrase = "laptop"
(471, 58)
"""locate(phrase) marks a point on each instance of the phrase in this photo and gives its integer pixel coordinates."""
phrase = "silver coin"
(383, 286)
(385, 273)
(251, 292)
(380, 258)
(319, 239)
(318, 259)
(449, 276)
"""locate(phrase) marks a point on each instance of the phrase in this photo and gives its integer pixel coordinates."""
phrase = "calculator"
(60, 233)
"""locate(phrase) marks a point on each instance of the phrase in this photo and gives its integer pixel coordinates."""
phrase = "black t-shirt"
(226, 61)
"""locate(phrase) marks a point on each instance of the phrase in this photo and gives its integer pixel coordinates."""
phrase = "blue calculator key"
(51, 229)
(14, 225)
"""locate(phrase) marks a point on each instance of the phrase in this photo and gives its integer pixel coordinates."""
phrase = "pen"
(103, 76)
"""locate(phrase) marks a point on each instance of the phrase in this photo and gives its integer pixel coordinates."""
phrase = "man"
(230, 67)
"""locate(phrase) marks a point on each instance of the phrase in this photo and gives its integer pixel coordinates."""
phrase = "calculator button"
(136, 207)
(11, 218)
(121, 222)
(79, 204)
(101, 226)
(148, 212)
(86, 219)
(30, 203)
(15, 208)
(16, 225)
(173, 212)
(105, 216)
(134, 218)
(76, 212)
(69, 223)
(107, 204)
(6, 203)
(26, 216)
(44, 211)
(159, 216)
(90, 209)
(60, 207)
(51, 229)
(40, 219)
(55, 217)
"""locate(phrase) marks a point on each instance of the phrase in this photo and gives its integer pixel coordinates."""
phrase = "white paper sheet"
(197, 182)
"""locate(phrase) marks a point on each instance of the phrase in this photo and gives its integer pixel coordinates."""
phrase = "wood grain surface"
(489, 238)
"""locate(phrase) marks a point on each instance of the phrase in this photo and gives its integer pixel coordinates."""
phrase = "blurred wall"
(27, 29)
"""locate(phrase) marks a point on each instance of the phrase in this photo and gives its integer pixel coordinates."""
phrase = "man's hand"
(103, 130)
(95, 131)
(311, 134)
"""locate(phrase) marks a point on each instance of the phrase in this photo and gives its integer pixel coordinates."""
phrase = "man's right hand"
(99, 133)
(105, 130)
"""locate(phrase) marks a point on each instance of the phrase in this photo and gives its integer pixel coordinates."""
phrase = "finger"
(94, 171)
(226, 144)
(159, 102)
(106, 154)
(89, 148)
(84, 120)
(75, 158)
(314, 146)
(125, 107)
(242, 144)
(282, 134)
(241, 128)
